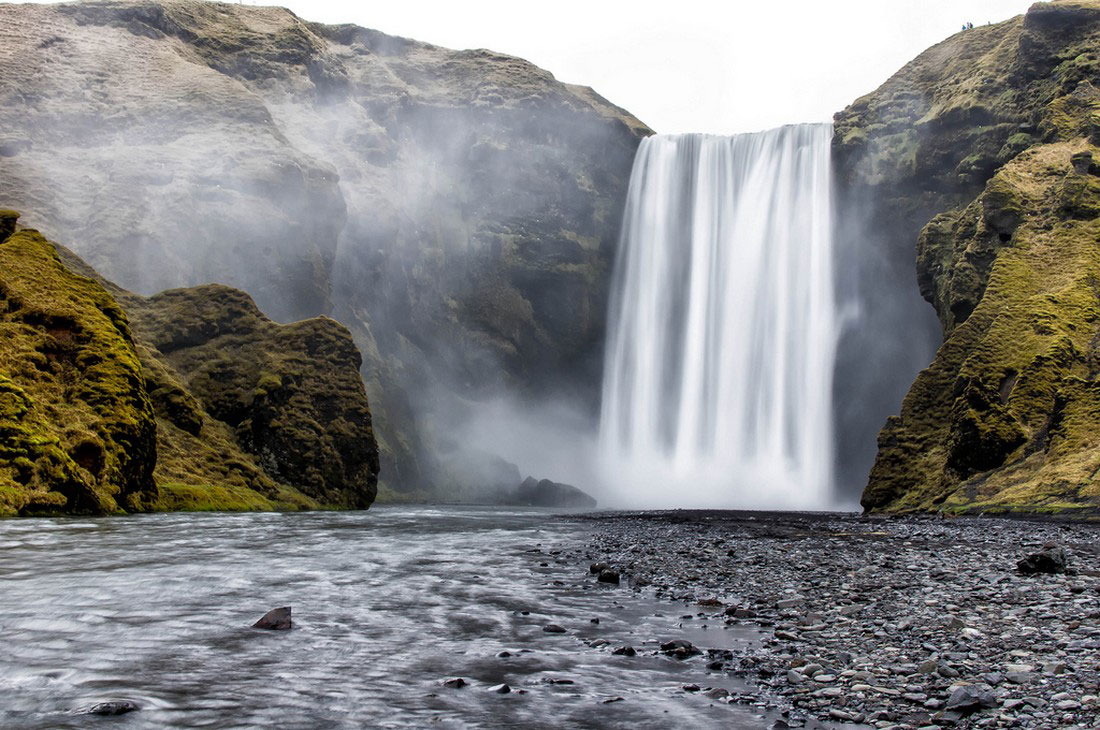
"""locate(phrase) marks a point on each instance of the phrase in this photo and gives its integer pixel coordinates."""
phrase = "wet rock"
(691, 688)
(1051, 559)
(624, 651)
(679, 648)
(119, 707)
(608, 576)
(553, 629)
(455, 683)
(597, 568)
(545, 493)
(500, 689)
(277, 619)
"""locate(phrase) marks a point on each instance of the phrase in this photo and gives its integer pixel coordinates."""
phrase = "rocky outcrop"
(77, 429)
(988, 142)
(192, 399)
(457, 210)
(291, 394)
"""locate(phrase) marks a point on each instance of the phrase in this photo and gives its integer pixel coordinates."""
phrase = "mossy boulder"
(77, 428)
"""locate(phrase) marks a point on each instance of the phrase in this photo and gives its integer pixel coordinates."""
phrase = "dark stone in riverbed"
(455, 683)
(608, 576)
(625, 651)
(679, 648)
(501, 689)
(112, 708)
(970, 699)
(1051, 559)
(553, 629)
(277, 619)
(597, 568)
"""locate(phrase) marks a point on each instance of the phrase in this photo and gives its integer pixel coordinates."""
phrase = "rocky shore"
(884, 622)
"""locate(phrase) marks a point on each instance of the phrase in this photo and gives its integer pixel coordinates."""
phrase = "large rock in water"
(983, 140)
(545, 493)
(458, 210)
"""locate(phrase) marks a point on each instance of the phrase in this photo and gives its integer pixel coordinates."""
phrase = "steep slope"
(994, 133)
(458, 210)
(77, 430)
(235, 412)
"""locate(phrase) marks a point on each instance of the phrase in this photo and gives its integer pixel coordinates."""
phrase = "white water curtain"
(721, 333)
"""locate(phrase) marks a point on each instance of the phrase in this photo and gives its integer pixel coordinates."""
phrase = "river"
(387, 604)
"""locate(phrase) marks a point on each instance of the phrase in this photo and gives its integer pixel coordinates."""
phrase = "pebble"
(889, 622)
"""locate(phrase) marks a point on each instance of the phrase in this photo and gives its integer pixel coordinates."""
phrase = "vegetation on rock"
(235, 413)
(77, 429)
(993, 135)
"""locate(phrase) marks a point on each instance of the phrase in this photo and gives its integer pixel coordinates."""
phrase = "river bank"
(881, 620)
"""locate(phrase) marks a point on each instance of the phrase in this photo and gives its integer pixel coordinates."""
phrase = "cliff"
(191, 399)
(457, 210)
(986, 144)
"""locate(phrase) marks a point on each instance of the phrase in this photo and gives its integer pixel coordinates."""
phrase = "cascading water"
(721, 334)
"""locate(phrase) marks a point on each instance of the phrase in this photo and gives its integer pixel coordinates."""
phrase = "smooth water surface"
(387, 604)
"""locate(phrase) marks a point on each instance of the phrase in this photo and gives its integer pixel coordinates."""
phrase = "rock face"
(77, 429)
(987, 141)
(292, 394)
(192, 399)
(457, 210)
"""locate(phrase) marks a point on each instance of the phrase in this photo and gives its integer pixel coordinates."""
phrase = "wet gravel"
(883, 622)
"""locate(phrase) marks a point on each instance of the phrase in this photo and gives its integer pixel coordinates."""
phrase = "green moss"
(77, 425)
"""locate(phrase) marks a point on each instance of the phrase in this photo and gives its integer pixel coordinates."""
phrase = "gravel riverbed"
(883, 622)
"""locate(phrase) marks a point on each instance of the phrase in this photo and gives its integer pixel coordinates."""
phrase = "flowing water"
(721, 332)
(387, 604)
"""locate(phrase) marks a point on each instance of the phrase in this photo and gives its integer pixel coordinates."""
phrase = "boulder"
(277, 619)
(118, 707)
(545, 493)
(1051, 559)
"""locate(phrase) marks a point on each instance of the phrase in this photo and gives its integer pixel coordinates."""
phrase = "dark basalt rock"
(965, 700)
(112, 708)
(1051, 559)
(608, 576)
(455, 683)
(679, 648)
(545, 493)
(553, 629)
(277, 619)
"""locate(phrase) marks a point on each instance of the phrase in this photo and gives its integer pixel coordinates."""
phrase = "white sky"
(690, 65)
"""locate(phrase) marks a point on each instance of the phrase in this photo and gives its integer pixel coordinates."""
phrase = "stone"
(501, 689)
(553, 629)
(679, 648)
(455, 683)
(967, 699)
(1051, 559)
(116, 707)
(608, 576)
(624, 651)
(277, 619)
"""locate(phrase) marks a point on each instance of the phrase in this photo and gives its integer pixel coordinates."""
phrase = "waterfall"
(721, 333)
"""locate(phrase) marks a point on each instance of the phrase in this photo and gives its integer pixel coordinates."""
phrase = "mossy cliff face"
(457, 210)
(291, 394)
(77, 429)
(235, 413)
(990, 138)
